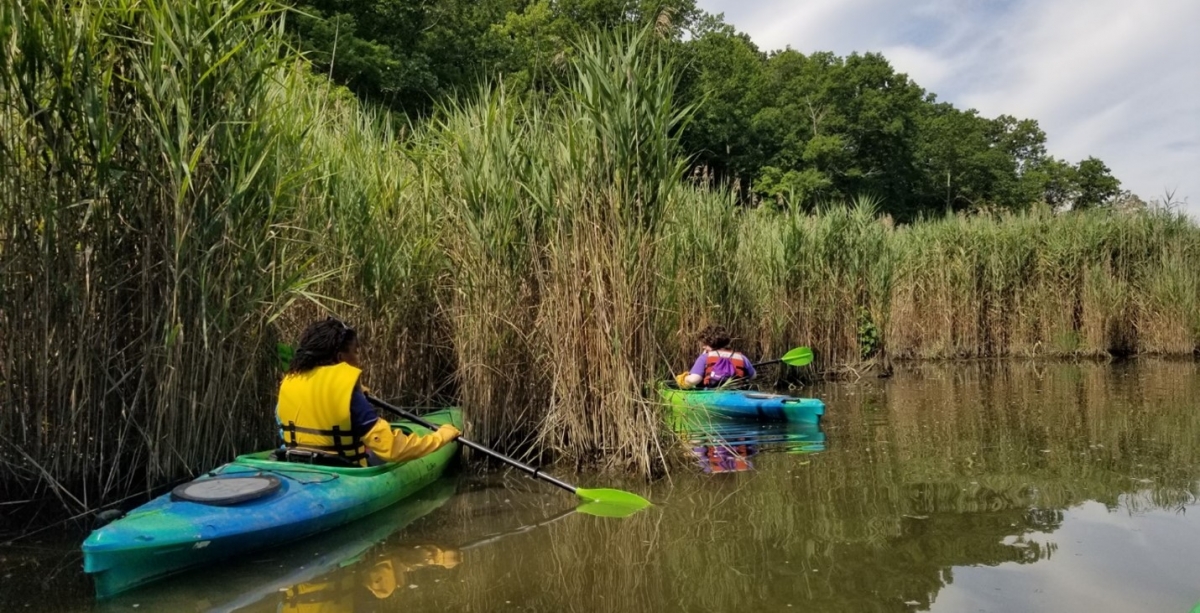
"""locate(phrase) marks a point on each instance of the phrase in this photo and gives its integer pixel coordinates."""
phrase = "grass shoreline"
(180, 194)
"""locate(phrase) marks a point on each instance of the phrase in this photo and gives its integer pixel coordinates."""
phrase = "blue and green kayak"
(743, 404)
(252, 582)
(168, 535)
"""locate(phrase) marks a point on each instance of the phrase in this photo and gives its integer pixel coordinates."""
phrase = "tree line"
(780, 126)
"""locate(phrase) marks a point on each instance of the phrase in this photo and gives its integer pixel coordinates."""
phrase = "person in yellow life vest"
(717, 364)
(383, 577)
(357, 588)
(324, 414)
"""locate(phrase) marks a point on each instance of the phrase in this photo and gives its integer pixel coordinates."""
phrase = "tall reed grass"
(179, 194)
(553, 216)
(146, 228)
(1045, 284)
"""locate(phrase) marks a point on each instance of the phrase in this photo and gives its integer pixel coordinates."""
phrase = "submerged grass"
(179, 193)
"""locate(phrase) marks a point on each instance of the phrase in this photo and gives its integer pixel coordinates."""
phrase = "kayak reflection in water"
(726, 447)
(733, 457)
(324, 416)
(362, 588)
(717, 365)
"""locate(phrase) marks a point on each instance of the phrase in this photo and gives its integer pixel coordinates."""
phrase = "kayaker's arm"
(695, 376)
(362, 414)
(396, 446)
(750, 372)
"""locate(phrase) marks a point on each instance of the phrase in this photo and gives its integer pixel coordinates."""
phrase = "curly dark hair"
(320, 345)
(715, 337)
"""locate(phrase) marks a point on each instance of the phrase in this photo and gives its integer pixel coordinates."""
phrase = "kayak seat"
(310, 456)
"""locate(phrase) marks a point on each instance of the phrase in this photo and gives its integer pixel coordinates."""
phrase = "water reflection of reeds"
(944, 466)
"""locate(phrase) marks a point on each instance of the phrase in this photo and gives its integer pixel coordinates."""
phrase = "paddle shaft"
(492, 539)
(533, 472)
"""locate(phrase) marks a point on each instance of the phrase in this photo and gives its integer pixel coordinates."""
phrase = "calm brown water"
(964, 487)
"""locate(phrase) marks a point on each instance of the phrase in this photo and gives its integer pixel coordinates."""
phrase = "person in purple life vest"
(717, 364)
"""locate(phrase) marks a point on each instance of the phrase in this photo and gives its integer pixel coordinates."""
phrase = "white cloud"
(1115, 79)
(1104, 561)
(932, 67)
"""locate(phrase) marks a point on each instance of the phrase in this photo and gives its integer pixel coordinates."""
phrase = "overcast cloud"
(1116, 79)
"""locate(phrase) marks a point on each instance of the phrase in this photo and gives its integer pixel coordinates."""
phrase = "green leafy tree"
(792, 128)
(847, 126)
(722, 75)
(970, 161)
(402, 53)
(408, 54)
(1096, 184)
(1055, 181)
(793, 187)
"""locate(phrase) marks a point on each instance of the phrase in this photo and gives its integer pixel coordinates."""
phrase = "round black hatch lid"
(222, 491)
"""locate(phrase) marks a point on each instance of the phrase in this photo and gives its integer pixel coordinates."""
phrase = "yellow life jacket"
(314, 412)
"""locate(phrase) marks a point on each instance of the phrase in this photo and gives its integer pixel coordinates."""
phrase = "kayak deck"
(166, 536)
(743, 404)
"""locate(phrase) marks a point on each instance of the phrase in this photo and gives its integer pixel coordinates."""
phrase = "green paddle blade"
(605, 509)
(604, 502)
(800, 356)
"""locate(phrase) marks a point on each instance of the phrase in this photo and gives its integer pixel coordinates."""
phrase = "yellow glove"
(684, 384)
(448, 432)
(448, 558)
(381, 579)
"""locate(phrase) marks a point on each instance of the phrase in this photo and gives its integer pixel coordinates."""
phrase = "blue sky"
(1117, 79)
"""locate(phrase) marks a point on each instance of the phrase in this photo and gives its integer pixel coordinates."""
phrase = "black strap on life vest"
(352, 449)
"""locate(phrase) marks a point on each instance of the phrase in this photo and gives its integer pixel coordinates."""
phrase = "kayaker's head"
(714, 338)
(326, 343)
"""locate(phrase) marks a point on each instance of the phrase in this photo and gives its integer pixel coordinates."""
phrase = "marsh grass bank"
(179, 194)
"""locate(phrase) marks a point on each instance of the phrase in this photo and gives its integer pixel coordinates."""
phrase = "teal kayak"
(743, 404)
(168, 534)
(252, 582)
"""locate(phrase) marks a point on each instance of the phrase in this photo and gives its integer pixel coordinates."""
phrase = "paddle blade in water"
(610, 503)
(800, 356)
(606, 509)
